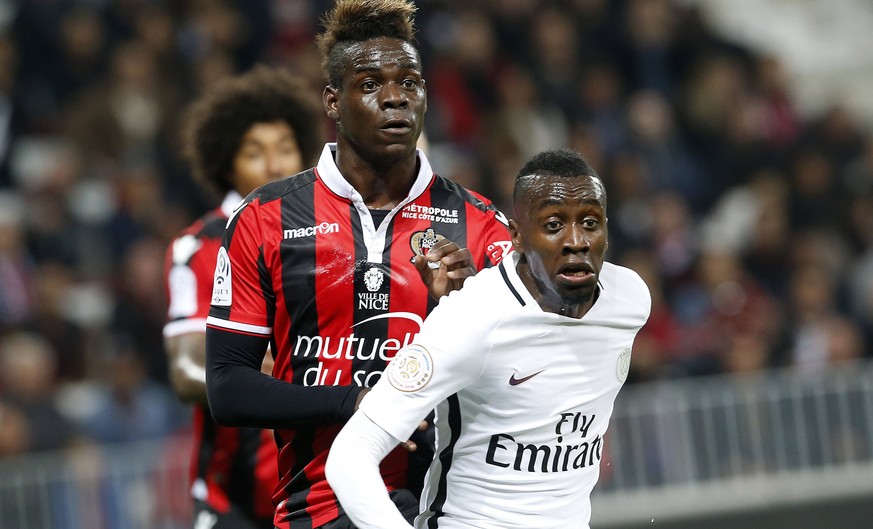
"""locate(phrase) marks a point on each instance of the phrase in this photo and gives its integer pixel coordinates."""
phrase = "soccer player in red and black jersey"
(247, 131)
(336, 268)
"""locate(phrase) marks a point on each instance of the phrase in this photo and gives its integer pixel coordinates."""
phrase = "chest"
(540, 376)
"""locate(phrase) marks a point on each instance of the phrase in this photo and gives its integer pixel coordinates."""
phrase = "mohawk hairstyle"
(216, 123)
(359, 20)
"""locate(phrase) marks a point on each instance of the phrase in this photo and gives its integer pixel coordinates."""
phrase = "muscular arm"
(241, 395)
(187, 354)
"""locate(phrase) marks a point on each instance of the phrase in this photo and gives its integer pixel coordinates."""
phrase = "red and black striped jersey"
(304, 263)
(229, 466)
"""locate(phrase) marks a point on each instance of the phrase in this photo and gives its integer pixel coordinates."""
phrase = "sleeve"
(493, 236)
(188, 280)
(242, 299)
(352, 471)
(240, 395)
(448, 355)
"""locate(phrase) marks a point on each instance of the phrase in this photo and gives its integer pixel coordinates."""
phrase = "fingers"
(453, 257)
(410, 445)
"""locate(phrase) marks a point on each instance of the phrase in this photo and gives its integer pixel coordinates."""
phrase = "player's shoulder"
(475, 199)
(488, 293)
(296, 189)
(205, 232)
(278, 189)
(626, 288)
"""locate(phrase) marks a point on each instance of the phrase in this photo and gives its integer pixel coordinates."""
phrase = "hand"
(410, 445)
(455, 266)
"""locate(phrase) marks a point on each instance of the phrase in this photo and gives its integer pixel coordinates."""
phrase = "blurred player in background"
(249, 130)
(336, 268)
(523, 366)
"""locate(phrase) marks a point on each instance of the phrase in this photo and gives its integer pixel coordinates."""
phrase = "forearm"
(187, 354)
(353, 473)
(240, 395)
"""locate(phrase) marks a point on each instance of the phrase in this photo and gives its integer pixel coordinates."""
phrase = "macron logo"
(309, 231)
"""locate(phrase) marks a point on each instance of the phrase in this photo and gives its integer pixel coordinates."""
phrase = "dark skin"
(560, 232)
(379, 111)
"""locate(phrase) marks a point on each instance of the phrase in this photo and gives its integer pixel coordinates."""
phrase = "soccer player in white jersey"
(522, 365)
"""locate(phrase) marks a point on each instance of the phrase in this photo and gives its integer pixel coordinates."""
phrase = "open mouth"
(576, 274)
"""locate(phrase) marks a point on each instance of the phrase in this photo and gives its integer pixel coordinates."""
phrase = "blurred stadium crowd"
(751, 222)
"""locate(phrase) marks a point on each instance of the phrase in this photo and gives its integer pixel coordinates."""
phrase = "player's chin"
(576, 294)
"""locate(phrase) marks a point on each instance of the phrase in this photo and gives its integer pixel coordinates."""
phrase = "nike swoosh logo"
(516, 381)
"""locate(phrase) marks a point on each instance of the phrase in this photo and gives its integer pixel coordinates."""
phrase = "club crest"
(622, 367)
(422, 241)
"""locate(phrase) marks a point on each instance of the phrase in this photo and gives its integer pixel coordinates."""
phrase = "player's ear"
(330, 99)
(424, 88)
(515, 235)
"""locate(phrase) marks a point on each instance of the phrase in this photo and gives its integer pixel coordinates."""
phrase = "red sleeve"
(188, 272)
(241, 285)
(492, 241)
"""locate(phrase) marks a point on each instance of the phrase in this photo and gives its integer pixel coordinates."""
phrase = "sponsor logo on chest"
(430, 214)
(310, 231)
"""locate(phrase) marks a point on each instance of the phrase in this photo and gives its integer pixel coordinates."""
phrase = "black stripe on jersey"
(212, 227)
(267, 289)
(298, 210)
(454, 420)
(298, 273)
(241, 485)
(509, 284)
(207, 445)
(373, 332)
(299, 487)
(449, 195)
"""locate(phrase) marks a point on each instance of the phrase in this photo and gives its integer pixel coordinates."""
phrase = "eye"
(368, 86)
(552, 226)
(410, 83)
(590, 223)
(251, 154)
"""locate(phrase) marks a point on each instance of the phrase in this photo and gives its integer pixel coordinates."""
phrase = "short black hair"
(216, 123)
(554, 162)
(353, 21)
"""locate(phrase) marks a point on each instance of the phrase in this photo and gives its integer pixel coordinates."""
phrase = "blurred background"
(735, 140)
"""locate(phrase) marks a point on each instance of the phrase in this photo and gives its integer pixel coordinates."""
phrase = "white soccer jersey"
(522, 396)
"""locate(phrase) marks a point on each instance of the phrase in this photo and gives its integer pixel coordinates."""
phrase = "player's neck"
(548, 300)
(381, 187)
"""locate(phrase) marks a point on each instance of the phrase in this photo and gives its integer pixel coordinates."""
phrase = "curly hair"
(216, 123)
(353, 21)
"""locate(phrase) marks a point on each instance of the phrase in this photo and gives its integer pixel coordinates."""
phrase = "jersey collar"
(330, 175)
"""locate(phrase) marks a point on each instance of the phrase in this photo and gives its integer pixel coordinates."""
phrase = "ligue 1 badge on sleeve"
(421, 243)
(411, 369)
(221, 285)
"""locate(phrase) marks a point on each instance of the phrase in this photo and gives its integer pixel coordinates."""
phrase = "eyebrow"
(555, 202)
(373, 68)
